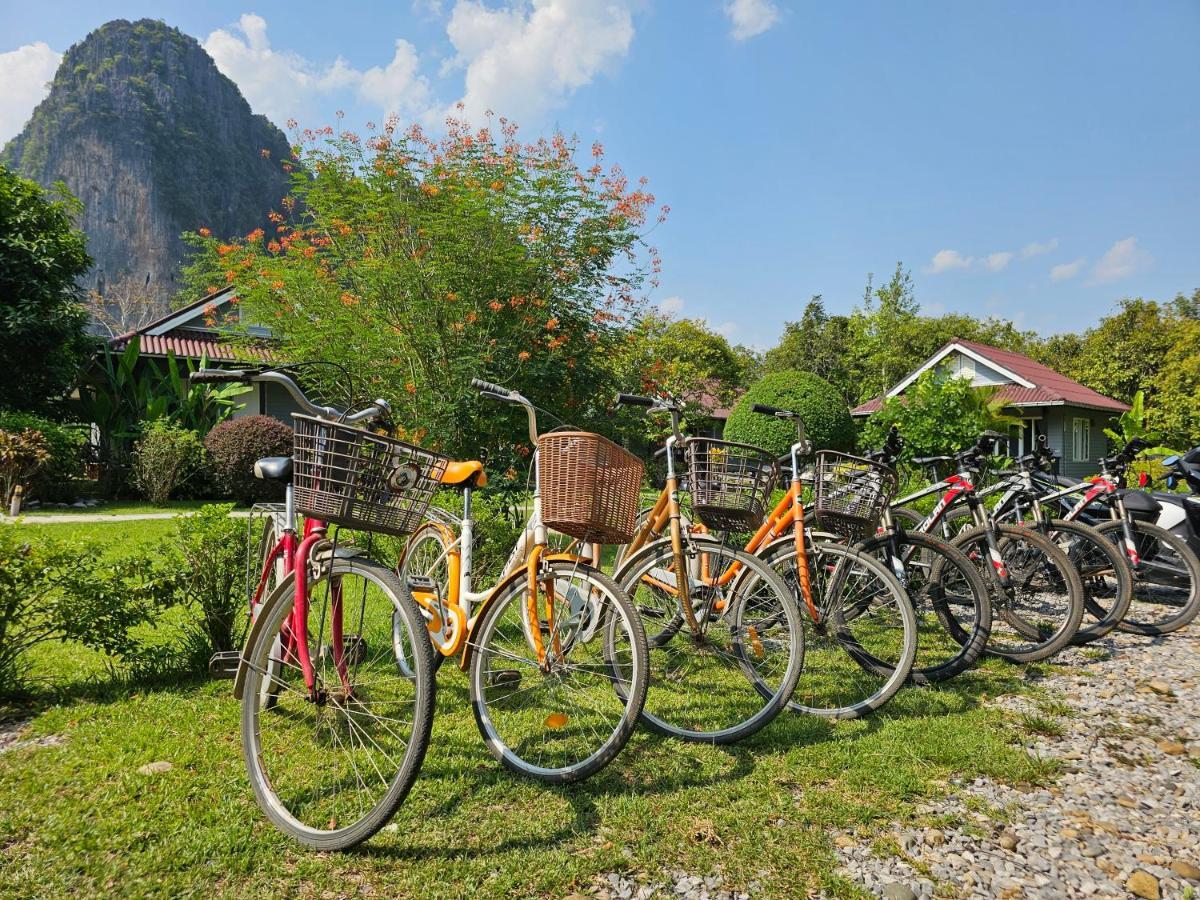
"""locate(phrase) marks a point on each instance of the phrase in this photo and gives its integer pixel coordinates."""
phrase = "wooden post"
(14, 506)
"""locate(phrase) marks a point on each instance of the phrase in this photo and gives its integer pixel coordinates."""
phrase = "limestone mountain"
(155, 141)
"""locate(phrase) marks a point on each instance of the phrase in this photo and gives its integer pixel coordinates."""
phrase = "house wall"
(981, 375)
(1060, 436)
(268, 400)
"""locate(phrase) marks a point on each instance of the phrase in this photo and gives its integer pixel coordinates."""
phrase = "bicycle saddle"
(465, 474)
(274, 468)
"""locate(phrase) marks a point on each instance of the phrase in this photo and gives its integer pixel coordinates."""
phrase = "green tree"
(826, 418)
(937, 414)
(1175, 409)
(817, 343)
(419, 264)
(43, 345)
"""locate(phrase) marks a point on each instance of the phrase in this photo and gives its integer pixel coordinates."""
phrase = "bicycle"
(1165, 572)
(332, 733)
(556, 689)
(1037, 594)
(948, 594)
(1107, 579)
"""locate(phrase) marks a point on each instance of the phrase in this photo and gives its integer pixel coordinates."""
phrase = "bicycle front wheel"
(1166, 578)
(862, 640)
(735, 673)
(1038, 612)
(331, 762)
(562, 714)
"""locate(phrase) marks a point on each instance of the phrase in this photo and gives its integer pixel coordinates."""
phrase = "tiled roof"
(190, 344)
(1050, 388)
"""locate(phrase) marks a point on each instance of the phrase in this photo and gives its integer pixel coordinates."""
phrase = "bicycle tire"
(1144, 577)
(266, 786)
(674, 651)
(825, 656)
(932, 604)
(631, 691)
(1063, 578)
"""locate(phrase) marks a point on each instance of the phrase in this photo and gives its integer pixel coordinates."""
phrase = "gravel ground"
(1122, 820)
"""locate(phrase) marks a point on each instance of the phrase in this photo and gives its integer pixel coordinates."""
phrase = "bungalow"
(200, 331)
(1071, 416)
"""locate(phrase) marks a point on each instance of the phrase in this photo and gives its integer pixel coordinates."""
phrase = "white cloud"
(671, 306)
(748, 18)
(1037, 249)
(997, 261)
(945, 260)
(726, 329)
(1063, 271)
(24, 73)
(1122, 260)
(524, 59)
(282, 84)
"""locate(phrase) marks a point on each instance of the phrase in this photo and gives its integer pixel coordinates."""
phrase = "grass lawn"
(121, 507)
(76, 816)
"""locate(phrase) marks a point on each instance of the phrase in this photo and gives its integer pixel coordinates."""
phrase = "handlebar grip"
(773, 411)
(489, 387)
(634, 400)
(213, 376)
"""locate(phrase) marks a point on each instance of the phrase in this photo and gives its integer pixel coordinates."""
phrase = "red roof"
(1050, 388)
(171, 334)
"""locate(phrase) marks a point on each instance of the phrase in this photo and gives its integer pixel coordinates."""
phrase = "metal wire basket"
(850, 493)
(730, 483)
(589, 486)
(350, 477)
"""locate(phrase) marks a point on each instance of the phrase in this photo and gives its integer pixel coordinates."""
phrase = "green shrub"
(235, 445)
(54, 591)
(211, 548)
(826, 418)
(66, 446)
(22, 454)
(164, 459)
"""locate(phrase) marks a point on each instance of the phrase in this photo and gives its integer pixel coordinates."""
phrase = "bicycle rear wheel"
(732, 678)
(860, 647)
(1166, 579)
(1039, 612)
(330, 765)
(563, 718)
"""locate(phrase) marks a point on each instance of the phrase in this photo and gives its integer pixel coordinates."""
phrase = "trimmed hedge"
(233, 448)
(826, 417)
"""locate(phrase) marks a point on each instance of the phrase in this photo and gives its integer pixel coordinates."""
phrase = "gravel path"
(1124, 818)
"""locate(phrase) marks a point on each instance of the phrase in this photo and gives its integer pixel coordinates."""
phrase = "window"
(1081, 440)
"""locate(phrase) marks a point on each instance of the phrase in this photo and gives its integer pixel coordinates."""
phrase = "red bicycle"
(333, 731)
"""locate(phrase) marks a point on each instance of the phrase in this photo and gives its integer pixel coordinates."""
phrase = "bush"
(66, 445)
(235, 445)
(53, 591)
(826, 418)
(22, 453)
(212, 548)
(165, 458)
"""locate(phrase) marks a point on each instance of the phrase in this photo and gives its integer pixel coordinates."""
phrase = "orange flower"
(225, 249)
(452, 296)
(278, 285)
(274, 247)
(496, 306)
(255, 235)
(204, 232)
(523, 355)
(411, 388)
(497, 185)
(349, 300)
(551, 323)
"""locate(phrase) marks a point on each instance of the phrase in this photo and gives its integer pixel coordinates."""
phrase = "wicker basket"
(851, 493)
(589, 486)
(730, 483)
(350, 477)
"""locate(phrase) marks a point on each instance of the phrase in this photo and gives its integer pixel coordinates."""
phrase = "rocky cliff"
(155, 141)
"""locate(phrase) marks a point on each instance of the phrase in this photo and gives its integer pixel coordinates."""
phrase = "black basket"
(850, 493)
(730, 483)
(350, 477)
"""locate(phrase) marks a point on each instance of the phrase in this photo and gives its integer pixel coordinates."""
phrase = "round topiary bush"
(826, 417)
(235, 445)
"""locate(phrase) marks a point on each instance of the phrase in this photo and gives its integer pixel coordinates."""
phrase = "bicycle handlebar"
(490, 387)
(634, 400)
(212, 376)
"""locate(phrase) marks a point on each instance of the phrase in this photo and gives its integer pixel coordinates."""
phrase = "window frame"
(1076, 433)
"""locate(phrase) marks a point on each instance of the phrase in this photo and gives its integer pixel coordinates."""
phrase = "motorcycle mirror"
(1172, 481)
(1170, 460)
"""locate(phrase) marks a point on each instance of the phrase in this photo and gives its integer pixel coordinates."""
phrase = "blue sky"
(1032, 160)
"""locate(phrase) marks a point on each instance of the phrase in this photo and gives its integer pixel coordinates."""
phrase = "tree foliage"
(938, 414)
(43, 346)
(826, 418)
(419, 264)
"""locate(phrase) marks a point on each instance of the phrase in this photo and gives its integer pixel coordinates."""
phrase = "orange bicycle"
(859, 629)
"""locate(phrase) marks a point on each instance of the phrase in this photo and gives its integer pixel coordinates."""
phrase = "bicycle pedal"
(224, 664)
(423, 584)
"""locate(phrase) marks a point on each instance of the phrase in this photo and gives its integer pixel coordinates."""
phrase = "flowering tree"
(418, 263)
